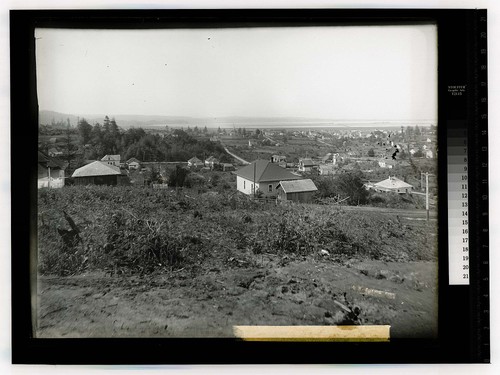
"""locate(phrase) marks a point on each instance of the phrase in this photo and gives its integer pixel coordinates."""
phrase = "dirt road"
(236, 156)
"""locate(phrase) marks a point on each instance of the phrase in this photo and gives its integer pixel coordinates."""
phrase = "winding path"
(236, 156)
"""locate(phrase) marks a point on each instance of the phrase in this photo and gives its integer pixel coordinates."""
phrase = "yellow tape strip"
(377, 333)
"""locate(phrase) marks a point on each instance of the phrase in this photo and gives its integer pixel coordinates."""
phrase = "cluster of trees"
(99, 140)
(197, 130)
(348, 185)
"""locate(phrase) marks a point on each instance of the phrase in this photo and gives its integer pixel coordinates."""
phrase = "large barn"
(99, 173)
(265, 175)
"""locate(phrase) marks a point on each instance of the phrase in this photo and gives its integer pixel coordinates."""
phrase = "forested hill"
(109, 139)
(125, 121)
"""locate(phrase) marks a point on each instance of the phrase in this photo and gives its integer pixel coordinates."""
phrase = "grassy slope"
(134, 230)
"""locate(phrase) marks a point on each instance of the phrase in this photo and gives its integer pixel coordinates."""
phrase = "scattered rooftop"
(265, 171)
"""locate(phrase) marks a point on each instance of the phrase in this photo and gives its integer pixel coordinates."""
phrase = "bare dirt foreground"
(273, 291)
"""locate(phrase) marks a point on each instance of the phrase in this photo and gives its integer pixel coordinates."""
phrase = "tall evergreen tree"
(84, 131)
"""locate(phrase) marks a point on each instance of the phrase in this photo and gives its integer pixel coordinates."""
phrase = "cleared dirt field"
(207, 303)
(168, 264)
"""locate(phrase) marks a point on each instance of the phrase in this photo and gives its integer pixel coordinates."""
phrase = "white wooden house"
(51, 171)
(307, 165)
(194, 162)
(392, 185)
(133, 163)
(112, 160)
(263, 176)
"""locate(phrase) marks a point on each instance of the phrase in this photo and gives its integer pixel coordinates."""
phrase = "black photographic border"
(463, 322)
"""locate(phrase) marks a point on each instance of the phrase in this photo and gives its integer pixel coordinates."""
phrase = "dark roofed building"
(265, 175)
(227, 167)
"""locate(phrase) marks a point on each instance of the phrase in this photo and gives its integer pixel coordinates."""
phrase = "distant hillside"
(127, 121)
(48, 117)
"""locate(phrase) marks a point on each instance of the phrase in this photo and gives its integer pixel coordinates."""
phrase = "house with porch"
(392, 185)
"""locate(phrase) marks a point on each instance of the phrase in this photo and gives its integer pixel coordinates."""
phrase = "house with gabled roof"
(195, 162)
(307, 165)
(112, 160)
(263, 176)
(133, 163)
(226, 167)
(300, 191)
(211, 162)
(392, 185)
(100, 173)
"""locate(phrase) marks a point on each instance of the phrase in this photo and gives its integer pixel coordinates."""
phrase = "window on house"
(244, 184)
(270, 188)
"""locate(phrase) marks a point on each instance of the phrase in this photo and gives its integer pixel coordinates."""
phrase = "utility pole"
(427, 194)
(48, 183)
(254, 168)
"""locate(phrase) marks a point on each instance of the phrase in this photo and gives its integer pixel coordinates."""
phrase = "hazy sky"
(353, 73)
